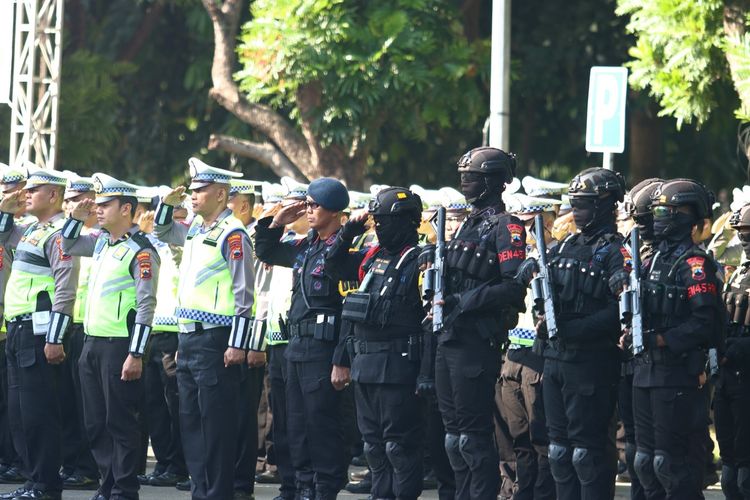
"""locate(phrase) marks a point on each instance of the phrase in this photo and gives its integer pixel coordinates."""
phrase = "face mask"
(671, 225)
(394, 232)
(591, 215)
(745, 242)
(476, 186)
(645, 224)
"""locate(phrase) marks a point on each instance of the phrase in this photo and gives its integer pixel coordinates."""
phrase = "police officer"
(732, 394)
(119, 312)
(242, 202)
(315, 426)
(680, 306)
(386, 313)
(215, 300)
(638, 207)
(582, 363)
(481, 295)
(79, 469)
(39, 298)
(521, 378)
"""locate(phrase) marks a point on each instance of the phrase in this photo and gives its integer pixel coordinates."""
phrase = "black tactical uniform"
(386, 315)
(680, 307)
(732, 394)
(638, 205)
(315, 427)
(582, 364)
(481, 294)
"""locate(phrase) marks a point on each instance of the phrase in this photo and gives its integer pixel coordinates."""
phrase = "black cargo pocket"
(26, 357)
(207, 378)
(310, 385)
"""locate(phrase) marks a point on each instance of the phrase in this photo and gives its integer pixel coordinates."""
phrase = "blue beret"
(329, 193)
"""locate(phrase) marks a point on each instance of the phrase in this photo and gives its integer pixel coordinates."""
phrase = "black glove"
(525, 272)
(427, 256)
(425, 386)
(353, 228)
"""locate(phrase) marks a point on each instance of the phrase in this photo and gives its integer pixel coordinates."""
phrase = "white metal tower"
(36, 81)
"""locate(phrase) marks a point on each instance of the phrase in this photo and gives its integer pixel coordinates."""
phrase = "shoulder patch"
(697, 270)
(234, 242)
(627, 259)
(516, 230)
(144, 265)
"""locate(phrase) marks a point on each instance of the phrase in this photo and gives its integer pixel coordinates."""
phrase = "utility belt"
(694, 361)
(18, 319)
(572, 279)
(39, 321)
(411, 346)
(198, 327)
(597, 345)
(665, 300)
(738, 311)
(322, 327)
(471, 259)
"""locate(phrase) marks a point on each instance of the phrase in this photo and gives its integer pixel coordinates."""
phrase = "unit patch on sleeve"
(696, 268)
(516, 231)
(144, 265)
(234, 241)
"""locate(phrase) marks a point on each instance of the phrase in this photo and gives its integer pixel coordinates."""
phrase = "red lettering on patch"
(63, 255)
(235, 246)
(144, 265)
(700, 288)
(516, 232)
(627, 259)
(507, 255)
(696, 268)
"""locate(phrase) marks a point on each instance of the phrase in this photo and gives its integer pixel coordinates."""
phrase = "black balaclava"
(591, 215)
(645, 225)
(483, 190)
(674, 227)
(394, 232)
(744, 238)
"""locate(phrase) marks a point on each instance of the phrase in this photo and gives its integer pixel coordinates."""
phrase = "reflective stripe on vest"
(79, 309)
(111, 288)
(205, 291)
(31, 273)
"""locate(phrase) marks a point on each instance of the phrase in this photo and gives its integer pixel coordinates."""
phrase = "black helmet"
(596, 182)
(638, 200)
(740, 219)
(396, 201)
(681, 192)
(489, 161)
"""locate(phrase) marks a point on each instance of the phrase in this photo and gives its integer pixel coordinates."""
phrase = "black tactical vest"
(665, 297)
(735, 299)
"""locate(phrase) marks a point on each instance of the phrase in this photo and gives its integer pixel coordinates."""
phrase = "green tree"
(319, 79)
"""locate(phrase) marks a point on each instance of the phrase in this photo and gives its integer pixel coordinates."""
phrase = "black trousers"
(625, 412)
(732, 417)
(162, 405)
(579, 405)
(389, 416)
(466, 370)
(8, 454)
(435, 443)
(524, 412)
(208, 412)
(277, 399)
(669, 426)
(315, 427)
(251, 386)
(33, 407)
(110, 409)
(77, 457)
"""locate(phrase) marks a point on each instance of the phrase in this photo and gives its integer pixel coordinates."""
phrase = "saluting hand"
(13, 202)
(289, 213)
(233, 356)
(131, 369)
(55, 353)
(175, 197)
(83, 210)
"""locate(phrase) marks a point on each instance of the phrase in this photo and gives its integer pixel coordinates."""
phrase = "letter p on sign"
(605, 119)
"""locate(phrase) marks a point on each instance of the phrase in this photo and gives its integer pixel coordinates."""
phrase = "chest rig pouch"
(578, 276)
(383, 284)
(471, 258)
(665, 299)
(735, 298)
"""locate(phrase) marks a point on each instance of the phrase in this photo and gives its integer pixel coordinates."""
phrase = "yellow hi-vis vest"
(31, 273)
(111, 295)
(79, 308)
(205, 290)
(166, 291)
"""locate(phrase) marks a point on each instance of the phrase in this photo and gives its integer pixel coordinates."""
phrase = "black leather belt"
(371, 346)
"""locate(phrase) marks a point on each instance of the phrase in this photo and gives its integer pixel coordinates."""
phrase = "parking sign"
(605, 119)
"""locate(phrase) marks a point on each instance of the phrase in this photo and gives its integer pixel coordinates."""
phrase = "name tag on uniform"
(121, 252)
(379, 266)
(213, 235)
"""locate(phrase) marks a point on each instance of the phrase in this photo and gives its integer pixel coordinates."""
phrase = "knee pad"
(454, 452)
(376, 457)
(729, 482)
(743, 481)
(630, 450)
(400, 457)
(560, 462)
(664, 471)
(643, 463)
(584, 462)
(476, 448)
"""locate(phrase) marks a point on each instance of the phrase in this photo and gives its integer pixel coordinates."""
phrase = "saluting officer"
(215, 301)
(681, 311)
(386, 313)
(481, 296)
(117, 321)
(732, 395)
(582, 362)
(39, 298)
(315, 426)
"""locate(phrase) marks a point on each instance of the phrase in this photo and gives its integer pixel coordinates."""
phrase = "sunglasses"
(471, 177)
(663, 211)
(312, 205)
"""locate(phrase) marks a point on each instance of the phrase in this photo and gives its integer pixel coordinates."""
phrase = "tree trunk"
(645, 145)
